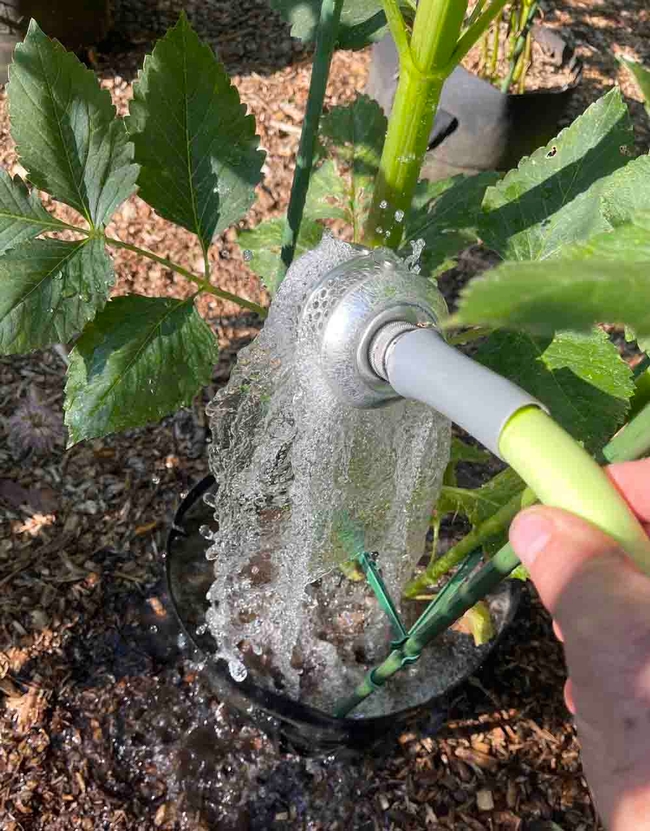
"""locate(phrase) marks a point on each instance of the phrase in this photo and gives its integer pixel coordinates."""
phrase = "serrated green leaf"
(328, 196)
(263, 244)
(478, 504)
(552, 198)
(22, 215)
(641, 76)
(197, 148)
(362, 21)
(49, 290)
(139, 360)
(356, 132)
(581, 378)
(446, 216)
(66, 131)
(606, 279)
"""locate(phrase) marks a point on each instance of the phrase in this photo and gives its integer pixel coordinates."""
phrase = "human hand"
(600, 603)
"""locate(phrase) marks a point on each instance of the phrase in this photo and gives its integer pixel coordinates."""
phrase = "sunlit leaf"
(553, 198)
(66, 131)
(196, 146)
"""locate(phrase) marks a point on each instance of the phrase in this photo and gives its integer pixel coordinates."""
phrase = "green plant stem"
(474, 32)
(520, 46)
(494, 60)
(632, 441)
(202, 282)
(484, 581)
(424, 65)
(330, 15)
(397, 26)
(497, 523)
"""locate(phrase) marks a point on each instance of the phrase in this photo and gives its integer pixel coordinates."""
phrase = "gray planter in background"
(477, 127)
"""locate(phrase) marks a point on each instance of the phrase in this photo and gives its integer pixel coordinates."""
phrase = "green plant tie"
(409, 648)
(368, 563)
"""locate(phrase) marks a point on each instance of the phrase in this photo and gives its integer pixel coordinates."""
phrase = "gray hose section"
(420, 365)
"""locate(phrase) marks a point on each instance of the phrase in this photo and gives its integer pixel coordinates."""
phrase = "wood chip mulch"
(103, 725)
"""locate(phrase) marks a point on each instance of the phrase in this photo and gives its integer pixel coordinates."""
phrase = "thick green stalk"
(330, 15)
(625, 447)
(423, 69)
(498, 522)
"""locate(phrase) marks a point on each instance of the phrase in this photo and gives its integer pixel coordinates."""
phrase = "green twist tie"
(376, 583)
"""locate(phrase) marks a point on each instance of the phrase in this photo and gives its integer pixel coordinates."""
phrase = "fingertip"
(530, 533)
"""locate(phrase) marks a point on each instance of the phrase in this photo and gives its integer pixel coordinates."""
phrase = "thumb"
(556, 545)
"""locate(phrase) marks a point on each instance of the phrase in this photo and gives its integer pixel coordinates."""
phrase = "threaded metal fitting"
(383, 341)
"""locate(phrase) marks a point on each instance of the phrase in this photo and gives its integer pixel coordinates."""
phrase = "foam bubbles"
(290, 459)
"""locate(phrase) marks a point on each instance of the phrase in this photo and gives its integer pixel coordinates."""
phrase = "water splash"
(290, 459)
(412, 262)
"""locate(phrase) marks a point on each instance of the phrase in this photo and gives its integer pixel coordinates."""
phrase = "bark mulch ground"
(102, 723)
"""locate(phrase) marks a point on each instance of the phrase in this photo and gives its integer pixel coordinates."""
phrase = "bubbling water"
(293, 463)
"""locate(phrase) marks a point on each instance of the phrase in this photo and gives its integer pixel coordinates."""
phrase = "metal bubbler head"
(355, 310)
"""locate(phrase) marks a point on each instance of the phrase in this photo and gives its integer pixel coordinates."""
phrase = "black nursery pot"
(305, 729)
(477, 127)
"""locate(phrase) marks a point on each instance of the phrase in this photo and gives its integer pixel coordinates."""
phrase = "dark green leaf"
(65, 127)
(262, 247)
(579, 377)
(196, 146)
(22, 215)
(552, 198)
(141, 359)
(606, 279)
(446, 215)
(49, 290)
(362, 21)
(641, 76)
(356, 132)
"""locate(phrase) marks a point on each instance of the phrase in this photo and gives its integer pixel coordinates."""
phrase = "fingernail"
(530, 533)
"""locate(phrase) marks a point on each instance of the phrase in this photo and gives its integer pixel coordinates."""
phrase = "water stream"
(301, 476)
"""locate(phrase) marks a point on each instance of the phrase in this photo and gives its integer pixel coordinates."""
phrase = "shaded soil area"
(103, 723)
